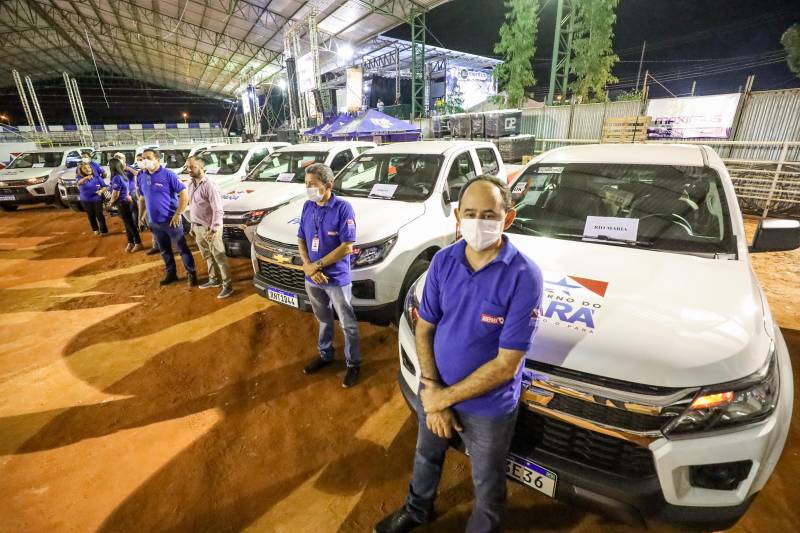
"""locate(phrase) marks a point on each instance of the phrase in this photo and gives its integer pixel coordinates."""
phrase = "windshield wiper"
(525, 229)
(606, 238)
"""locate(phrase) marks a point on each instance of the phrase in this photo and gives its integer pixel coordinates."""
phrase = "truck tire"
(9, 207)
(417, 268)
(60, 202)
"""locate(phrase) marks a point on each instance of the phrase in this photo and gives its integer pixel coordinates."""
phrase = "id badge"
(315, 244)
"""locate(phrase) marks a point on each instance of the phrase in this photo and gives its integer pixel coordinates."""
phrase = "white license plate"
(8, 197)
(531, 474)
(282, 297)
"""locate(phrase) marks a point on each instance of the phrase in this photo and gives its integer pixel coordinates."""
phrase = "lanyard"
(319, 220)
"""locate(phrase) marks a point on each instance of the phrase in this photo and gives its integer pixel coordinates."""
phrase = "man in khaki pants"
(205, 210)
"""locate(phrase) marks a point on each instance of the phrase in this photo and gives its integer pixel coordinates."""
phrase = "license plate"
(531, 474)
(282, 297)
(8, 197)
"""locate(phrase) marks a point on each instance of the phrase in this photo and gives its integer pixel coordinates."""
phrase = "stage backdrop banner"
(473, 86)
(355, 87)
(692, 117)
(305, 73)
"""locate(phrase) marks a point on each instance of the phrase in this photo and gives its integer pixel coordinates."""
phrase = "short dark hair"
(321, 171)
(196, 158)
(154, 150)
(505, 192)
(90, 152)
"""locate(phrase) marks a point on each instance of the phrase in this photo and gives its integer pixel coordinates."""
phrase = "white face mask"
(146, 164)
(480, 234)
(314, 195)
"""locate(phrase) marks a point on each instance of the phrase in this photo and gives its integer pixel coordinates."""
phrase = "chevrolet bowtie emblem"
(281, 258)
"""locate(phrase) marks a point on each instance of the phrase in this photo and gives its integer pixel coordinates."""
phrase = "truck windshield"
(174, 158)
(37, 160)
(285, 166)
(223, 161)
(406, 177)
(663, 207)
(104, 156)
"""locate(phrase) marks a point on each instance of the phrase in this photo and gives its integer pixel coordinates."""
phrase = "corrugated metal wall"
(769, 116)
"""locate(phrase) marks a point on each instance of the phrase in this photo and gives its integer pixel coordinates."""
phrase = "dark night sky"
(680, 35)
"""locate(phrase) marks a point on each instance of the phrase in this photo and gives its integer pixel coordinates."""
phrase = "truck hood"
(250, 195)
(375, 219)
(646, 317)
(18, 174)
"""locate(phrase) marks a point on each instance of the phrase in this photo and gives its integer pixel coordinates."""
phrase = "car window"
(341, 160)
(488, 160)
(223, 161)
(257, 157)
(407, 177)
(73, 153)
(667, 207)
(37, 160)
(103, 157)
(285, 166)
(174, 158)
(461, 171)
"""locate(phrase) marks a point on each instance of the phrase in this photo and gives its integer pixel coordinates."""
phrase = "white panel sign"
(355, 88)
(624, 229)
(692, 117)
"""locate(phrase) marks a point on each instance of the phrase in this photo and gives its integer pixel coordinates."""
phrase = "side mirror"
(776, 235)
(446, 196)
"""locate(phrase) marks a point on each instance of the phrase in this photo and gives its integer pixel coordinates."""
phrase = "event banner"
(692, 117)
(472, 86)
(305, 73)
(355, 86)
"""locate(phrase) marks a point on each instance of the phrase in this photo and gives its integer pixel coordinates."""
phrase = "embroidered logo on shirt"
(351, 222)
(489, 319)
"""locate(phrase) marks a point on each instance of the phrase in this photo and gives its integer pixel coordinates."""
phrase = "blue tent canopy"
(327, 129)
(315, 129)
(374, 122)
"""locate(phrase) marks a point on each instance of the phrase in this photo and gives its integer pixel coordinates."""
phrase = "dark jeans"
(324, 301)
(487, 440)
(131, 224)
(94, 211)
(165, 235)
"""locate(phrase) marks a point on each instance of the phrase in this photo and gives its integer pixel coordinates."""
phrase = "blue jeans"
(487, 440)
(165, 235)
(324, 301)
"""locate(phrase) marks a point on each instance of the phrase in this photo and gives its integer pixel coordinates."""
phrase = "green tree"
(791, 43)
(593, 55)
(517, 45)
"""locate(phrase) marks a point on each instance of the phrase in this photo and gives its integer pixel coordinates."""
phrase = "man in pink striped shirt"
(205, 212)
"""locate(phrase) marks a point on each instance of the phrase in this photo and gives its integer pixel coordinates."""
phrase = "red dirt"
(129, 407)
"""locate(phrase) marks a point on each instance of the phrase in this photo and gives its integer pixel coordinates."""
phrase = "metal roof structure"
(208, 47)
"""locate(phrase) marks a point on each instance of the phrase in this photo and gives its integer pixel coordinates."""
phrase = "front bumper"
(639, 485)
(238, 239)
(17, 195)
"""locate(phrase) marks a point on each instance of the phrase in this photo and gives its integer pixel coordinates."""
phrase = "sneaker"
(129, 248)
(96, 232)
(226, 291)
(399, 521)
(153, 251)
(171, 277)
(136, 248)
(210, 284)
(316, 365)
(350, 377)
(191, 279)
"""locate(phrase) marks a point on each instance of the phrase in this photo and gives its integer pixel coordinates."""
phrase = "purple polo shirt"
(334, 223)
(477, 313)
(120, 184)
(160, 190)
(88, 190)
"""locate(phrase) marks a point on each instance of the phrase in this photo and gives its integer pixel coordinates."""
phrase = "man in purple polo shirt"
(164, 197)
(325, 238)
(477, 319)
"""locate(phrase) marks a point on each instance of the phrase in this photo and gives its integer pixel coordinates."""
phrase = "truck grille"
(609, 416)
(288, 278)
(615, 456)
(233, 233)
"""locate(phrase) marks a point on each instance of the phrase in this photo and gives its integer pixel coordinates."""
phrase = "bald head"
(485, 197)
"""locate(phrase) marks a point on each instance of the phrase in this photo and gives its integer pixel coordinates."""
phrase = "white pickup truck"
(279, 178)
(658, 387)
(404, 196)
(174, 156)
(228, 164)
(33, 176)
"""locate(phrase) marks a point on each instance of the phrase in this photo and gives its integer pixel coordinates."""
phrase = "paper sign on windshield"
(383, 190)
(624, 229)
(550, 170)
(37, 165)
(212, 170)
(285, 176)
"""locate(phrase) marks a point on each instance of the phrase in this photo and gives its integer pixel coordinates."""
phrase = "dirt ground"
(129, 407)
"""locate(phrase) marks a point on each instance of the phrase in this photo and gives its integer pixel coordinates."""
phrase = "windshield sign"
(652, 206)
(406, 177)
(37, 160)
(223, 161)
(288, 167)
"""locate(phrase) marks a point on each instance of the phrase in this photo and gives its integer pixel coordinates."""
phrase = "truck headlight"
(736, 403)
(36, 181)
(254, 217)
(374, 253)
(411, 307)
